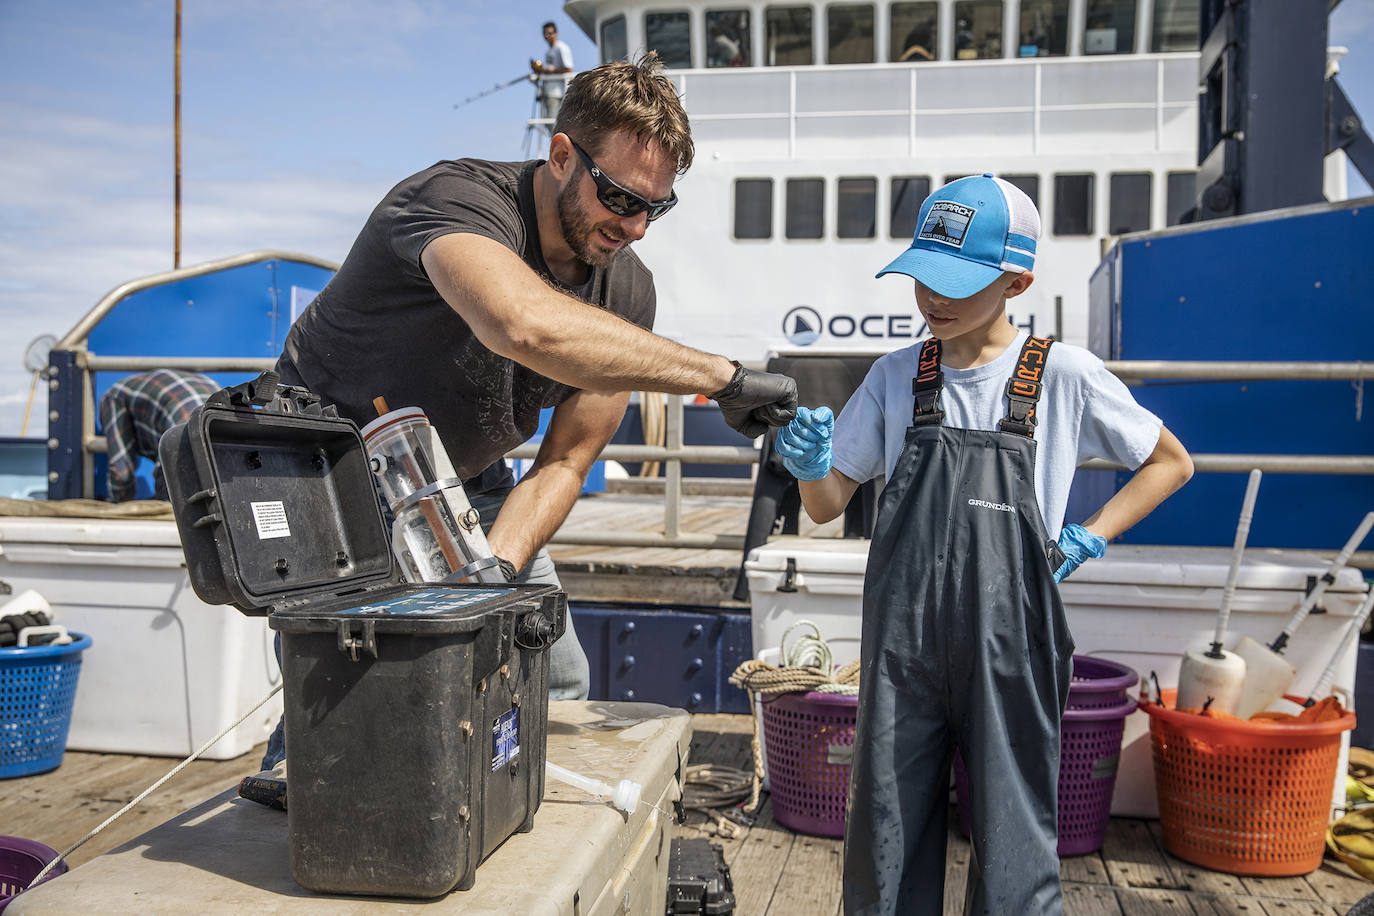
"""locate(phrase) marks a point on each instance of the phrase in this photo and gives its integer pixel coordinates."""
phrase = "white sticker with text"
(271, 520)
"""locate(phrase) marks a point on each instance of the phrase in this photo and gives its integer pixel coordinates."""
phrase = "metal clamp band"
(429, 489)
(472, 568)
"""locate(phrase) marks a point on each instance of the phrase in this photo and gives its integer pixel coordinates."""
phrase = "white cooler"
(166, 672)
(1141, 606)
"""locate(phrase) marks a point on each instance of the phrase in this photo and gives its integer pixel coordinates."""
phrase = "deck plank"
(758, 865)
(1337, 886)
(1286, 888)
(810, 880)
(1088, 869)
(1132, 858)
(957, 851)
(1153, 902)
(1090, 900)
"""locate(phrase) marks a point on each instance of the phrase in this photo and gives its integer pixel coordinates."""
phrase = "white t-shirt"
(1084, 412)
(557, 56)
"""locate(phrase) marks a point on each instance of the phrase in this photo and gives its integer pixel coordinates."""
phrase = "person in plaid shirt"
(136, 411)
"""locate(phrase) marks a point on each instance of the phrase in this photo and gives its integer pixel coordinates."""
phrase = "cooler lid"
(273, 498)
(91, 532)
(429, 607)
(840, 556)
(1209, 567)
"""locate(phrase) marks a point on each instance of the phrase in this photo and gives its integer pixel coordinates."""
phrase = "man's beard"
(578, 228)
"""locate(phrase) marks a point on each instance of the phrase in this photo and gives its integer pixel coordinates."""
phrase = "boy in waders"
(977, 431)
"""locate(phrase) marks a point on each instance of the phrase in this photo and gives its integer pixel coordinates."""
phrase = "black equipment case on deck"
(416, 715)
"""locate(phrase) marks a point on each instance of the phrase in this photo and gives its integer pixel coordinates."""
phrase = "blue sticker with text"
(505, 739)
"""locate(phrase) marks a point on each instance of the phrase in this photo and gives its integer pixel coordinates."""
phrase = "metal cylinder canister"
(437, 535)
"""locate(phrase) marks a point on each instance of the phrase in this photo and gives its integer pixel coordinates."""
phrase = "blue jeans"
(569, 673)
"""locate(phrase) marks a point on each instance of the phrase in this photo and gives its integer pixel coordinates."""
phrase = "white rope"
(153, 788)
(812, 651)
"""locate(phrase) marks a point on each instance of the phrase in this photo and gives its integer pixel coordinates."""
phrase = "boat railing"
(1030, 106)
(675, 452)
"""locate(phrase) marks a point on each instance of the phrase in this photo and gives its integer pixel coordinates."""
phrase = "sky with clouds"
(296, 118)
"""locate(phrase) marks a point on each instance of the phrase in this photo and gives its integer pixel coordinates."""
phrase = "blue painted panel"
(23, 468)
(242, 311)
(1289, 288)
(675, 656)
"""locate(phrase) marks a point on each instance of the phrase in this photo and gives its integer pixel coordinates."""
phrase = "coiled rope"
(808, 666)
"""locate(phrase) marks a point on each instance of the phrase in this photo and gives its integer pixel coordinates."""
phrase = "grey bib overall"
(965, 644)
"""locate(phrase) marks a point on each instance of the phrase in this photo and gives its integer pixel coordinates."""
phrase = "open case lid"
(273, 499)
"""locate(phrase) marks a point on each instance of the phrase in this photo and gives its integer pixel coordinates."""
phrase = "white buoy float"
(1213, 677)
(1268, 673)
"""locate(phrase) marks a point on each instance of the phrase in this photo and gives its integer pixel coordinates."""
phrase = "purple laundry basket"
(808, 740)
(1089, 751)
(20, 860)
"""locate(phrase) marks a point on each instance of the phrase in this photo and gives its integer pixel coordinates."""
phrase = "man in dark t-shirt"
(482, 292)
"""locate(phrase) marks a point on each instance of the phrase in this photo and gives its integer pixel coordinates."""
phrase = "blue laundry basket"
(37, 690)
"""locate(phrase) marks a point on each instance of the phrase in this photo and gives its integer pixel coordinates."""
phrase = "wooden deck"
(780, 873)
(775, 871)
(659, 575)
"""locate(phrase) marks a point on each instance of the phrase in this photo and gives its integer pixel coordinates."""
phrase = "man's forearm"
(532, 513)
(514, 313)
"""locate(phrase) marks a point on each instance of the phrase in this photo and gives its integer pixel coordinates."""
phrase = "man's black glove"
(754, 401)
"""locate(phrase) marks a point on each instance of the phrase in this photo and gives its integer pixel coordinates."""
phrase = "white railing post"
(672, 482)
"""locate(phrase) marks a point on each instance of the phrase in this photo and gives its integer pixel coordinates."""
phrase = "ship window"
(913, 32)
(727, 38)
(788, 33)
(1129, 208)
(754, 208)
(1044, 28)
(1181, 197)
(858, 202)
(1030, 184)
(977, 29)
(1176, 23)
(1073, 204)
(908, 194)
(849, 30)
(613, 43)
(1110, 27)
(805, 208)
(670, 35)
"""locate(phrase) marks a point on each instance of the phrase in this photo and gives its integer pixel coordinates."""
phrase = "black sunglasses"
(622, 201)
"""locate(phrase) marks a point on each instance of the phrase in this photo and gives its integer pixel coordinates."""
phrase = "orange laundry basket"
(1244, 797)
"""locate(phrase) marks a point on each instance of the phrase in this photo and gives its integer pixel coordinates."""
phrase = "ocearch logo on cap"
(947, 223)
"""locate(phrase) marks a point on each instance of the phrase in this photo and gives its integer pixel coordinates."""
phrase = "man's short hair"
(631, 96)
(550, 25)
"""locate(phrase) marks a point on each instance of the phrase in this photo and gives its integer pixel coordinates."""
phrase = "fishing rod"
(497, 88)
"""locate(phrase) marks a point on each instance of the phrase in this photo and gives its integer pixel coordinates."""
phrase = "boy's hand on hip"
(1078, 544)
(804, 444)
(754, 401)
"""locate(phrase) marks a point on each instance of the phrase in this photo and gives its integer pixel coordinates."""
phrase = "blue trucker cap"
(968, 233)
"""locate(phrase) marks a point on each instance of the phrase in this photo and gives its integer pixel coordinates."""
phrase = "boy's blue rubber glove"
(1078, 544)
(804, 444)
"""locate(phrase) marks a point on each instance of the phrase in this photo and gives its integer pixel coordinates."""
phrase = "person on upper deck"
(552, 72)
(977, 431)
(483, 292)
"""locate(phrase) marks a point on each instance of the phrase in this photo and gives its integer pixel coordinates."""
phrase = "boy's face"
(977, 314)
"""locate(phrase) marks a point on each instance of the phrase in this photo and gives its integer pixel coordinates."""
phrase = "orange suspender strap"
(927, 384)
(1023, 388)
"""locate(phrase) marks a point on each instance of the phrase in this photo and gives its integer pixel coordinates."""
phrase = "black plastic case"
(699, 879)
(416, 715)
